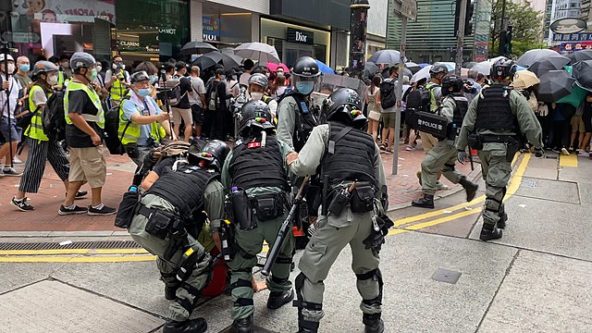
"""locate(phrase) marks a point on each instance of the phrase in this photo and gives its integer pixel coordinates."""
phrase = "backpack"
(53, 118)
(213, 100)
(176, 95)
(111, 130)
(387, 94)
(417, 100)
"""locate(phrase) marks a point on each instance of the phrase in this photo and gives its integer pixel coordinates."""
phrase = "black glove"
(375, 240)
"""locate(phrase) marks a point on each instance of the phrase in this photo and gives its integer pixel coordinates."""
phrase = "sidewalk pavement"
(403, 188)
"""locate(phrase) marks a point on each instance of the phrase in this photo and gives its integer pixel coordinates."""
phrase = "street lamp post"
(358, 25)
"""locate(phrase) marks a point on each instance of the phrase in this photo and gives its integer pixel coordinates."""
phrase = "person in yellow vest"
(42, 147)
(142, 125)
(85, 120)
(117, 81)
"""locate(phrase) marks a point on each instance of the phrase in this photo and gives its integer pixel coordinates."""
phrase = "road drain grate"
(73, 245)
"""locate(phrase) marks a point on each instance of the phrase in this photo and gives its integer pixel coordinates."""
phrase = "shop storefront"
(294, 41)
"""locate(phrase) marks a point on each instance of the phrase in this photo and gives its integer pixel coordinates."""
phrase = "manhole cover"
(554, 157)
(445, 275)
(256, 329)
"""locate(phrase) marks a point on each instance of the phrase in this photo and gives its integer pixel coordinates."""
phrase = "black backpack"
(388, 99)
(53, 116)
(111, 130)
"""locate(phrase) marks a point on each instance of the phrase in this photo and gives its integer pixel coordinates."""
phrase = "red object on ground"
(298, 232)
(218, 278)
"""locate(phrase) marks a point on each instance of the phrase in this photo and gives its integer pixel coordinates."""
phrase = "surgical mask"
(24, 67)
(144, 92)
(305, 87)
(99, 68)
(10, 68)
(256, 96)
(93, 75)
(52, 80)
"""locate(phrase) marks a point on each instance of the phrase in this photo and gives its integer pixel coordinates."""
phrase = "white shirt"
(13, 91)
(244, 79)
(198, 86)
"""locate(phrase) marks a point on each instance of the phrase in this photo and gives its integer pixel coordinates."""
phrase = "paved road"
(438, 276)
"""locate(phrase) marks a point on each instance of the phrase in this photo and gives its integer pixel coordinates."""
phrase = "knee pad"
(448, 168)
(376, 275)
(299, 302)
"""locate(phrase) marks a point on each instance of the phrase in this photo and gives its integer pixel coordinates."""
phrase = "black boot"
(243, 325)
(305, 326)
(197, 325)
(470, 188)
(170, 292)
(426, 202)
(277, 299)
(373, 323)
(502, 222)
(489, 232)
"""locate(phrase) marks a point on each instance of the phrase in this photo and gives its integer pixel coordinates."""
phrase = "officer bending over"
(494, 124)
(256, 174)
(171, 213)
(354, 191)
(442, 157)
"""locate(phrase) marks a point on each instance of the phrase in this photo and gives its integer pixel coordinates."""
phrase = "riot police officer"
(493, 125)
(442, 157)
(258, 84)
(170, 215)
(354, 191)
(257, 177)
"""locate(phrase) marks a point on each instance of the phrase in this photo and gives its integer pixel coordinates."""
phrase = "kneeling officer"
(169, 217)
(256, 174)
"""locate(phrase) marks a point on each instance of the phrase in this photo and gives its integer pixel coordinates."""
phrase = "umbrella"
(582, 72)
(370, 69)
(324, 68)
(469, 64)
(274, 67)
(227, 50)
(198, 47)
(423, 73)
(525, 79)
(413, 67)
(580, 56)
(422, 65)
(483, 67)
(548, 64)
(264, 53)
(555, 85)
(208, 60)
(532, 56)
(387, 57)
(576, 97)
(450, 65)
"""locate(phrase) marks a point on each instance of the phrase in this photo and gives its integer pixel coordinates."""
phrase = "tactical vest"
(128, 132)
(35, 129)
(462, 105)
(494, 111)
(305, 121)
(349, 157)
(184, 188)
(99, 117)
(255, 166)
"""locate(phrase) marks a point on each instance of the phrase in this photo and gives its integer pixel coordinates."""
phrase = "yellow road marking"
(568, 161)
(72, 251)
(70, 259)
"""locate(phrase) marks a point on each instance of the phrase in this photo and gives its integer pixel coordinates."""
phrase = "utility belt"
(476, 141)
(358, 195)
(161, 223)
(265, 207)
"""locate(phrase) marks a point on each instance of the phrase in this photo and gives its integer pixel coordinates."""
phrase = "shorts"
(184, 114)
(388, 119)
(12, 133)
(197, 114)
(577, 124)
(587, 118)
(88, 165)
(428, 141)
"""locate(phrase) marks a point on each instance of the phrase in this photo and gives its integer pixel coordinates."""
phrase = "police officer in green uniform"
(177, 201)
(493, 124)
(442, 157)
(257, 177)
(354, 191)
(258, 84)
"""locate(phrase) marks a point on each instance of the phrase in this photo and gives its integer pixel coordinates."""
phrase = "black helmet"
(214, 151)
(438, 69)
(255, 114)
(451, 81)
(503, 69)
(344, 105)
(306, 67)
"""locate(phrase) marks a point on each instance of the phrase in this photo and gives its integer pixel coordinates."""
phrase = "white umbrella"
(423, 73)
(264, 53)
(483, 67)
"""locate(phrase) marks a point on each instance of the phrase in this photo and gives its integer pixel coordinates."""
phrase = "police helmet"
(503, 69)
(255, 114)
(344, 105)
(259, 79)
(306, 67)
(214, 152)
(43, 67)
(81, 60)
(139, 76)
(452, 81)
(438, 69)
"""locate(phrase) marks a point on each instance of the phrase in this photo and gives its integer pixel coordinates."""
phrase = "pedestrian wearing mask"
(258, 84)
(9, 94)
(65, 67)
(42, 146)
(23, 68)
(216, 95)
(117, 81)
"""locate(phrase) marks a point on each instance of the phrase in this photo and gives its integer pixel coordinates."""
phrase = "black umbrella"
(582, 72)
(555, 85)
(532, 56)
(197, 48)
(580, 56)
(230, 61)
(552, 63)
(208, 60)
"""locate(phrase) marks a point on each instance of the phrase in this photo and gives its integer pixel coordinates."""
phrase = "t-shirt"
(79, 102)
(39, 97)
(244, 79)
(198, 87)
(23, 80)
(13, 95)
(135, 105)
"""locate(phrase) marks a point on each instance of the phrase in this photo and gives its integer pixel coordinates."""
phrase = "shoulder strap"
(339, 136)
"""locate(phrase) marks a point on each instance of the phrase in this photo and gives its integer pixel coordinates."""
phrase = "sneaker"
(563, 152)
(17, 160)
(382, 147)
(71, 211)
(103, 211)
(10, 172)
(410, 148)
(80, 195)
(22, 204)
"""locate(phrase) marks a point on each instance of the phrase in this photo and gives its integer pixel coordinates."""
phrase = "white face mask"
(99, 68)
(256, 96)
(52, 80)
(11, 68)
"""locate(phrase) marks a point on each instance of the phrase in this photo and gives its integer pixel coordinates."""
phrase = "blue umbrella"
(324, 68)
